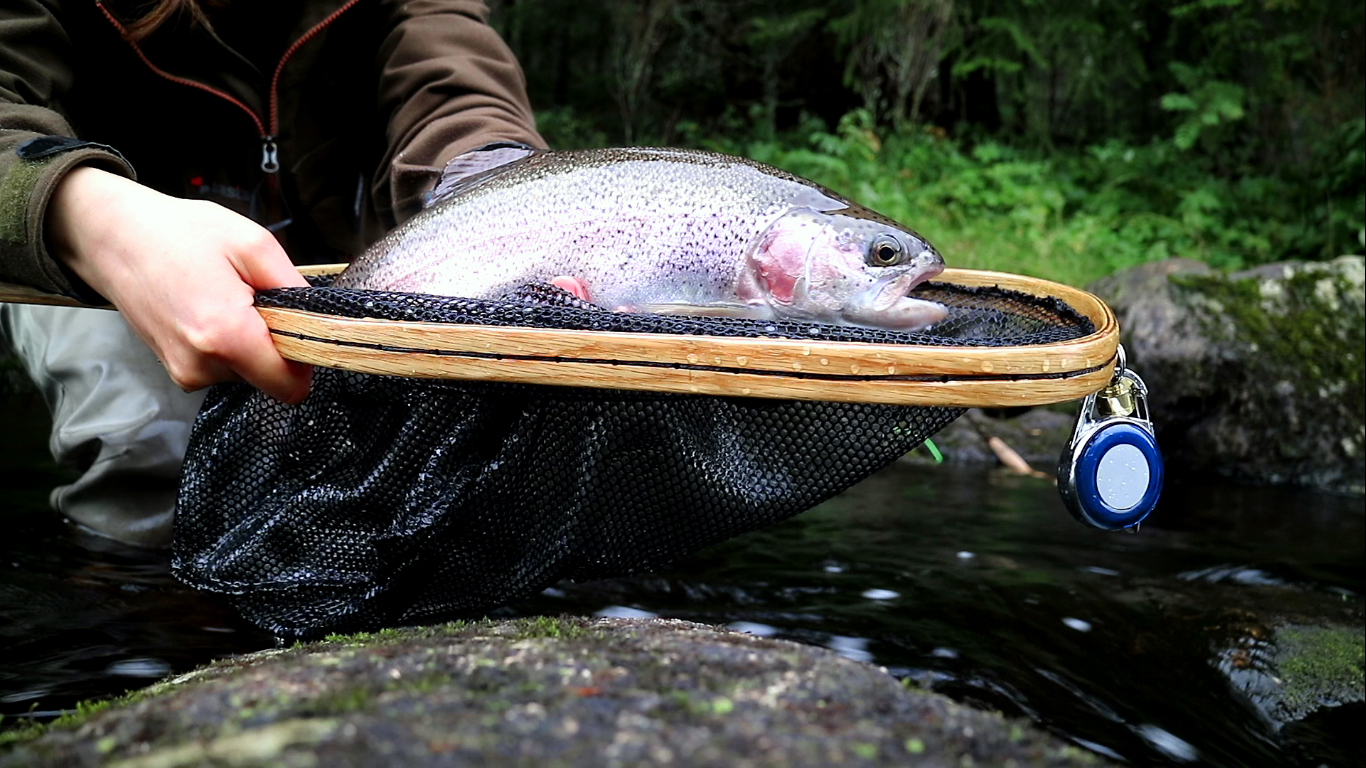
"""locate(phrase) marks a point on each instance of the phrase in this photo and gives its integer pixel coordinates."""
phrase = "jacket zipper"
(270, 151)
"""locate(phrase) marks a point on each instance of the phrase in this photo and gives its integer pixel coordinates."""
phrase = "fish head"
(845, 266)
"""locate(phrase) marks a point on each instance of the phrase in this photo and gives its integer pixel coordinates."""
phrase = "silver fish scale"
(637, 226)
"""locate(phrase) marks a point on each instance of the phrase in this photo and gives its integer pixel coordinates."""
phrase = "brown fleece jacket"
(361, 108)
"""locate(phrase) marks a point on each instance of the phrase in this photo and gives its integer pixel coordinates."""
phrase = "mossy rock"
(1256, 374)
(539, 692)
(1290, 671)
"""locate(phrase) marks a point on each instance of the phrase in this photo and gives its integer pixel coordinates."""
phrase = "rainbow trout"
(655, 230)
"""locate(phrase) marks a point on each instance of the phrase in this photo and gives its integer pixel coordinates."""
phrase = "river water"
(1150, 648)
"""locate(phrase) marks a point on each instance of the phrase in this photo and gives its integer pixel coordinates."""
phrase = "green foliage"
(892, 52)
(1071, 217)
(1209, 104)
(1085, 136)
(1062, 73)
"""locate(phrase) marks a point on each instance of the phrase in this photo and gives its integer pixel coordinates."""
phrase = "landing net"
(384, 500)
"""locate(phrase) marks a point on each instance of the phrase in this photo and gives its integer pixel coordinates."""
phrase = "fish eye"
(885, 251)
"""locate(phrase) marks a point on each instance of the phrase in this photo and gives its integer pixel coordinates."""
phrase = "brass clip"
(1117, 399)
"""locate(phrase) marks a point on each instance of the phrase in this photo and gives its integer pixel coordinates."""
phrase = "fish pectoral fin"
(743, 311)
(572, 285)
(465, 171)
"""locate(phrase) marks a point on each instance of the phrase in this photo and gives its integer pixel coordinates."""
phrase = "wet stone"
(1293, 670)
(1294, 652)
(543, 692)
(1254, 375)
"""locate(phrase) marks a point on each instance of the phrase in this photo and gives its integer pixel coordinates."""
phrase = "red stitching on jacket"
(275, 79)
(175, 79)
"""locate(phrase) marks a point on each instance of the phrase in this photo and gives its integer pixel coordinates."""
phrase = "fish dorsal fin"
(462, 169)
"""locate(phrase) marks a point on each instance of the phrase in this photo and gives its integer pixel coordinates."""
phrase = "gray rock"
(542, 692)
(1256, 375)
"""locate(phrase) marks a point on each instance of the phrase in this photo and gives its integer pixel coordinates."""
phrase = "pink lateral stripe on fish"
(656, 230)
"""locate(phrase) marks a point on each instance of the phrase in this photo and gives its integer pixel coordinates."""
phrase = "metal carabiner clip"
(1110, 474)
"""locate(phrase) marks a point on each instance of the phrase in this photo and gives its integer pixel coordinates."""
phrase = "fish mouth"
(927, 265)
(885, 303)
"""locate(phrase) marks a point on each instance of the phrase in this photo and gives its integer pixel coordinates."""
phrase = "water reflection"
(1077, 624)
(881, 594)
(979, 585)
(1154, 648)
(82, 616)
(624, 612)
(855, 648)
(1167, 744)
(753, 628)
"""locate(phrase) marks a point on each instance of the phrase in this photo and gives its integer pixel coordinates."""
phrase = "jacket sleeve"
(35, 52)
(447, 84)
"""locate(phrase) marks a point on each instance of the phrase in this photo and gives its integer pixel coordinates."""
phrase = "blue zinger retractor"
(1110, 475)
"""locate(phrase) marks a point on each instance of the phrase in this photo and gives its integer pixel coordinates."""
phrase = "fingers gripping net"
(383, 500)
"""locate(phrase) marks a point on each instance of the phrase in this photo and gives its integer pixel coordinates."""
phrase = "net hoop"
(790, 369)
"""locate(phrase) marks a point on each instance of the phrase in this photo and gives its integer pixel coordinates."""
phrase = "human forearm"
(183, 273)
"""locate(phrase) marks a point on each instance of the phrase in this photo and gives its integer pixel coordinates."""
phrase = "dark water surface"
(969, 582)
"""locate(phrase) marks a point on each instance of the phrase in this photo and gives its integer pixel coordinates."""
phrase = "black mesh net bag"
(383, 501)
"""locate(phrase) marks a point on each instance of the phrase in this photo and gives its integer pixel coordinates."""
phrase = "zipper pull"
(270, 155)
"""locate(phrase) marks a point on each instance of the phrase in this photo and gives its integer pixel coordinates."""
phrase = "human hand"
(183, 273)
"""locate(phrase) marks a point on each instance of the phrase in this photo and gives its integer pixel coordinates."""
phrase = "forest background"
(1063, 139)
